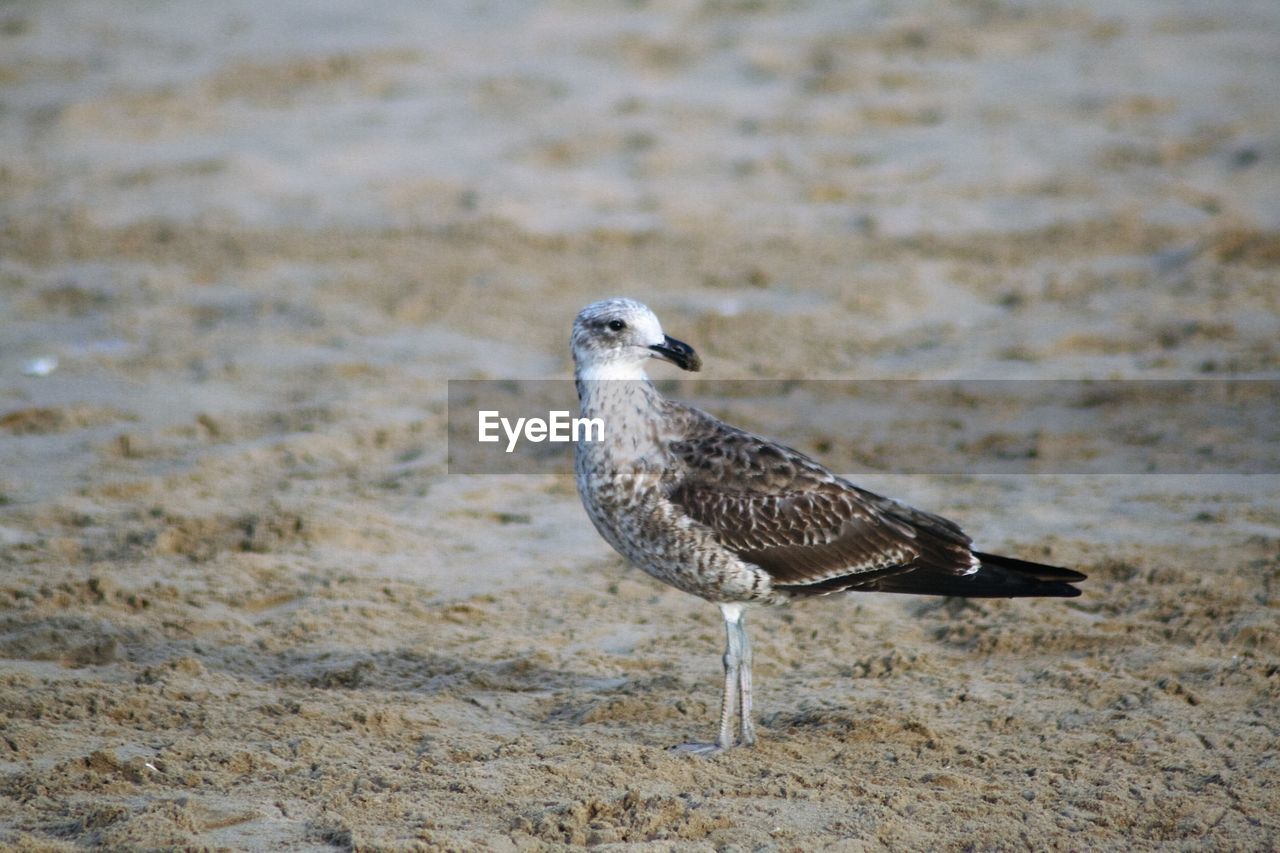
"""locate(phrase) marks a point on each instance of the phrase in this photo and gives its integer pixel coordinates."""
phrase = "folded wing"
(778, 509)
(816, 534)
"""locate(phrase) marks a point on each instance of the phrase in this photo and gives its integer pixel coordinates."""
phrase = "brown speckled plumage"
(738, 519)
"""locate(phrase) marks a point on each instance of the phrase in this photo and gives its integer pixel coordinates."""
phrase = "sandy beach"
(243, 247)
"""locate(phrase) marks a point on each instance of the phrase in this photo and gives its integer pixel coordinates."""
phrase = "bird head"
(613, 338)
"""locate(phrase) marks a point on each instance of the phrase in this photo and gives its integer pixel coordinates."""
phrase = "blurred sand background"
(242, 604)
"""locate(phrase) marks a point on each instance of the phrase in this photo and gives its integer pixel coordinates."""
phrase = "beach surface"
(243, 247)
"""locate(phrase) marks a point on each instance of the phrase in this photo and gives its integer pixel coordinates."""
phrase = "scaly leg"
(744, 682)
(737, 674)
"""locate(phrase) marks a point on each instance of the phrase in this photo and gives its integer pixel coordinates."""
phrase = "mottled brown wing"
(778, 509)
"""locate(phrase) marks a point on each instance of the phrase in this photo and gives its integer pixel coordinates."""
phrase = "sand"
(245, 605)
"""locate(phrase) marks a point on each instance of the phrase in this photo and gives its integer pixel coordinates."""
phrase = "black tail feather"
(998, 577)
(1039, 571)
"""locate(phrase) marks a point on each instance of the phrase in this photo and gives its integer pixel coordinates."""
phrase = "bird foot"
(703, 750)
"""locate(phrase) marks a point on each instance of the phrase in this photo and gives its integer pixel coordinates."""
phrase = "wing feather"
(778, 509)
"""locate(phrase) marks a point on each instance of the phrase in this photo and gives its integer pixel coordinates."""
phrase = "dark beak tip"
(678, 353)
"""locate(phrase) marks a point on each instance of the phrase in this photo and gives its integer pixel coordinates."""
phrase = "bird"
(740, 520)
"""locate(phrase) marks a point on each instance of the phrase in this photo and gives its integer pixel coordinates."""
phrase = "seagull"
(740, 520)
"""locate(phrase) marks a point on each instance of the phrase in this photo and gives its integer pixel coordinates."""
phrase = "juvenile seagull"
(737, 519)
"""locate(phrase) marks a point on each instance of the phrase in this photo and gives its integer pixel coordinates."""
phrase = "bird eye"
(617, 325)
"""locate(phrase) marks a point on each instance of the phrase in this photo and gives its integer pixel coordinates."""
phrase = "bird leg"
(744, 678)
(737, 677)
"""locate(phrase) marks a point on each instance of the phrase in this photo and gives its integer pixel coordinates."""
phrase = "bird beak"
(678, 353)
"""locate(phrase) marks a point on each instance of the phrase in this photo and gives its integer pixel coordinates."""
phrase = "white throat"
(613, 370)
